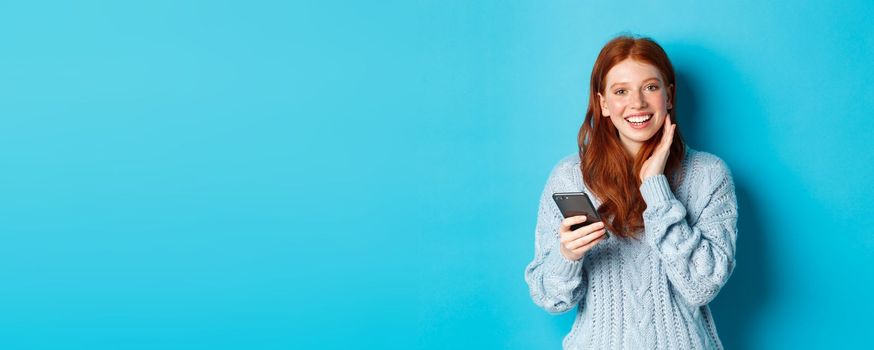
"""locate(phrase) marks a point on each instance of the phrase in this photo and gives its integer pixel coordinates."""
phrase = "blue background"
(264, 174)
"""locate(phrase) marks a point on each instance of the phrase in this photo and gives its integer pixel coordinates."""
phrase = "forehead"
(632, 71)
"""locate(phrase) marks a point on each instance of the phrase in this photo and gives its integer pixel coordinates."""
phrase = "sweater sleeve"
(699, 259)
(556, 283)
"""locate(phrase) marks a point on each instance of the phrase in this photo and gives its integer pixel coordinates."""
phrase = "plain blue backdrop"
(327, 175)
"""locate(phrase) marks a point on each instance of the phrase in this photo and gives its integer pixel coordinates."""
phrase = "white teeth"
(639, 119)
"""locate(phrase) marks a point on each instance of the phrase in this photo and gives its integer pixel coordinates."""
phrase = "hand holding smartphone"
(574, 244)
(574, 204)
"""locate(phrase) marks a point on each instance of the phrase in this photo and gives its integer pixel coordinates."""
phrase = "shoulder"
(704, 167)
(565, 172)
(567, 163)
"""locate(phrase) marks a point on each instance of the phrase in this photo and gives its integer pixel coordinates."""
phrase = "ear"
(604, 111)
(671, 96)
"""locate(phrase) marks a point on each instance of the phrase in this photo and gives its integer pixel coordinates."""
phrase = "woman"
(671, 213)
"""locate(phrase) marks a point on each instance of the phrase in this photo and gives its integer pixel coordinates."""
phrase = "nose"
(637, 100)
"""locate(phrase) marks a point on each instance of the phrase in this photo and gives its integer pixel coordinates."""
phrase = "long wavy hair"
(608, 170)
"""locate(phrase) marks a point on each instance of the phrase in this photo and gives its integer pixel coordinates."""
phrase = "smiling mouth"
(639, 120)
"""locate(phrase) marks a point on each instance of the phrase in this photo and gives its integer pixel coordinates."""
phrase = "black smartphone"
(576, 203)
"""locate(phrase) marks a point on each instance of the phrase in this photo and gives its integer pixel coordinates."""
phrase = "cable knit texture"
(650, 292)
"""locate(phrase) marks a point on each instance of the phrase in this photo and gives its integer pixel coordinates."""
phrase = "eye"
(619, 92)
(652, 87)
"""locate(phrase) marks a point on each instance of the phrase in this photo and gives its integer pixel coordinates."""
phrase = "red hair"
(608, 171)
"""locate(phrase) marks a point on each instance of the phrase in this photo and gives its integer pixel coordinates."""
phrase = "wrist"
(646, 177)
(561, 265)
(656, 189)
(569, 255)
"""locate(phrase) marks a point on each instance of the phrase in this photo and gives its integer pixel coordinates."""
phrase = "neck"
(631, 147)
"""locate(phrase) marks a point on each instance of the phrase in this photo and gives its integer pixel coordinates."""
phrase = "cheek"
(615, 106)
(618, 122)
(658, 100)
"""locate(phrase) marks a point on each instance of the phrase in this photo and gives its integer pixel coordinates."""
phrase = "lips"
(639, 118)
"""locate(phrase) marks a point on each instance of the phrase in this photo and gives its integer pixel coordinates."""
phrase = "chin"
(641, 135)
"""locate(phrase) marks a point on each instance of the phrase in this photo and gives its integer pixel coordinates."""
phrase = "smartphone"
(576, 203)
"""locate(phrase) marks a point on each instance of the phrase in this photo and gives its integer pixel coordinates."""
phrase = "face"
(636, 100)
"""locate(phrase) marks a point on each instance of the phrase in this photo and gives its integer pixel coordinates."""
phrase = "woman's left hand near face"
(655, 165)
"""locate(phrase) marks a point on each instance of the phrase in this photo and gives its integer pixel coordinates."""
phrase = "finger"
(671, 134)
(565, 233)
(569, 236)
(667, 134)
(667, 127)
(586, 238)
(573, 220)
(666, 124)
(672, 125)
(590, 228)
(588, 246)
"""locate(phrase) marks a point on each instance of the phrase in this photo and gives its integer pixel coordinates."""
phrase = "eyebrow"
(645, 80)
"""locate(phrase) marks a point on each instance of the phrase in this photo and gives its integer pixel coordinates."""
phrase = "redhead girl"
(671, 214)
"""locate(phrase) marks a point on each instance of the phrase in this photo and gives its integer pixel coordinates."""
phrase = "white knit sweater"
(651, 292)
